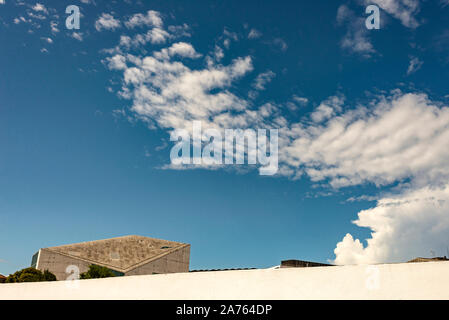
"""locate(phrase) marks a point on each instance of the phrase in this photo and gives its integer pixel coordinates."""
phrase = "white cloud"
(117, 62)
(2, 1)
(169, 94)
(300, 100)
(254, 34)
(48, 40)
(78, 36)
(107, 22)
(38, 7)
(38, 16)
(356, 37)
(403, 226)
(414, 65)
(404, 10)
(327, 109)
(218, 53)
(153, 36)
(230, 34)
(280, 43)
(382, 143)
(179, 31)
(397, 139)
(152, 18)
(54, 27)
(263, 79)
(181, 49)
(157, 35)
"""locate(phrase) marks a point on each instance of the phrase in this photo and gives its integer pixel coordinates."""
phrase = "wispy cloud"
(414, 65)
(77, 35)
(356, 38)
(254, 34)
(263, 79)
(280, 43)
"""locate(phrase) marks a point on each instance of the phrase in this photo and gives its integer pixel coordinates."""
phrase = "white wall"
(428, 280)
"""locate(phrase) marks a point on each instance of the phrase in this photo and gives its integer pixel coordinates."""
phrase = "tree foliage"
(30, 275)
(96, 272)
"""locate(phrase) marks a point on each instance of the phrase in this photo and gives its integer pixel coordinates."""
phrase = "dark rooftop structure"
(302, 264)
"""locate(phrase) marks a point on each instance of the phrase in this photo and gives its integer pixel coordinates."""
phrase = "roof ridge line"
(114, 238)
(132, 267)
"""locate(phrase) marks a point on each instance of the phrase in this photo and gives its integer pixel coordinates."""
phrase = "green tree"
(96, 272)
(48, 276)
(30, 275)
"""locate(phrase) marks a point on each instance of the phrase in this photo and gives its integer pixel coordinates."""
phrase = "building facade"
(128, 255)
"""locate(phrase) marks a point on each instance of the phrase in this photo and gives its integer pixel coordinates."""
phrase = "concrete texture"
(428, 280)
(133, 255)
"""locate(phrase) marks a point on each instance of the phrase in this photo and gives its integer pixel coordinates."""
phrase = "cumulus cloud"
(152, 19)
(414, 65)
(400, 138)
(404, 10)
(381, 144)
(117, 62)
(153, 36)
(107, 22)
(356, 38)
(2, 1)
(181, 49)
(404, 227)
(168, 93)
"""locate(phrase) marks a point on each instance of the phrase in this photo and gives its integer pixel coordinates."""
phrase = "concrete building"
(128, 255)
(419, 259)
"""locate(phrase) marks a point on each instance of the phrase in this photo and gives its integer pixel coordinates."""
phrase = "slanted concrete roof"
(122, 253)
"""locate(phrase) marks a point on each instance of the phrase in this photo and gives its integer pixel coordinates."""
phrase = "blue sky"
(86, 116)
